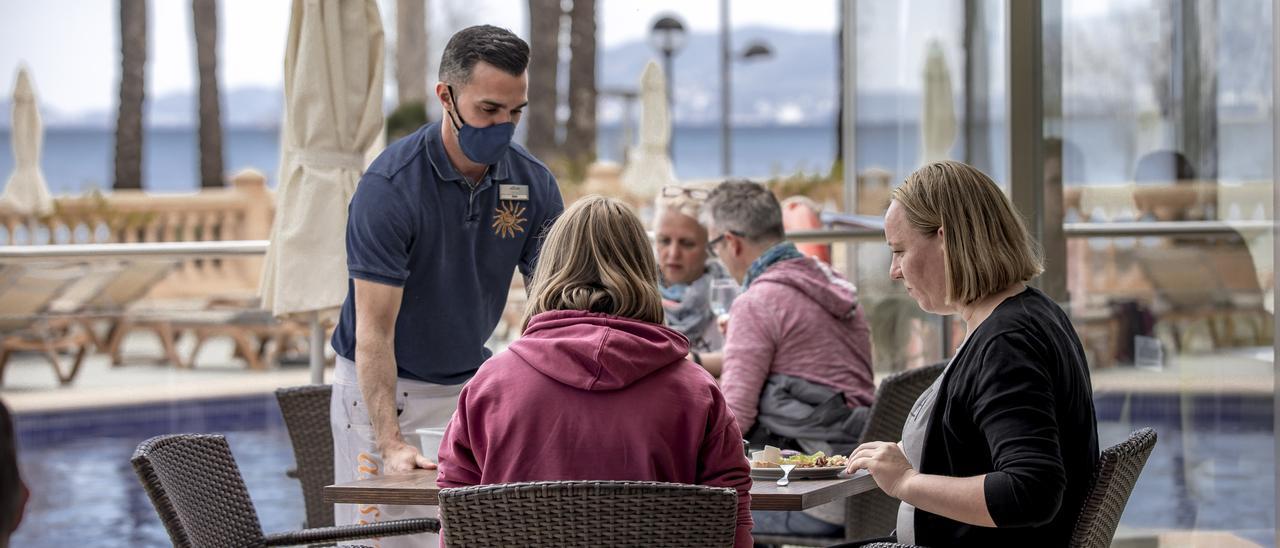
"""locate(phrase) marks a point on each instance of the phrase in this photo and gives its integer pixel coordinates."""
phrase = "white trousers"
(418, 405)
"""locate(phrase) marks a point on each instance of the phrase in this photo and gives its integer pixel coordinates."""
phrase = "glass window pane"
(1174, 125)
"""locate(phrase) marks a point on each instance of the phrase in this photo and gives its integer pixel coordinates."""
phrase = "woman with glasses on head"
(688, 271)
(596, 388)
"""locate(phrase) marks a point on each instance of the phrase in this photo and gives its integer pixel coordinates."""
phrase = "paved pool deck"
(30, 386)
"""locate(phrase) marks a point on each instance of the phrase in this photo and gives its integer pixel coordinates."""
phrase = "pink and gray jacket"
(798, 320)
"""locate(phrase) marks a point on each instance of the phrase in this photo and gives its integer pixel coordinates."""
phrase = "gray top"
(913, 433)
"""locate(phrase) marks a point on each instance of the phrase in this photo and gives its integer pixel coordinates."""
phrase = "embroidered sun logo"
(507, 219)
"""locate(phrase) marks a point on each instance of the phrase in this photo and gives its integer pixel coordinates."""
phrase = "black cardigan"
(1016, 405)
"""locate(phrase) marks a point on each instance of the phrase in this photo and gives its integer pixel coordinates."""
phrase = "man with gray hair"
(797, 353)
(438, 225)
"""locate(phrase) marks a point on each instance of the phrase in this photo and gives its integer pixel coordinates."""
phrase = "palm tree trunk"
(580, 135)
(544, 60)
(411, 51)
(841, 35)
(205, 18)
(133, 62)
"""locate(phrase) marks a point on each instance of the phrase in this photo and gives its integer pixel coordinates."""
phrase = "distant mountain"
(243, 107)
(795, 85)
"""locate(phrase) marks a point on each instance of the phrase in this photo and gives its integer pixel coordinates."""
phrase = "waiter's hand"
(887, 464)
(399, 457)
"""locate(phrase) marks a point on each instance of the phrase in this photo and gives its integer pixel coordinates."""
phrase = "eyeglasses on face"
(711, 245)
(673, 191)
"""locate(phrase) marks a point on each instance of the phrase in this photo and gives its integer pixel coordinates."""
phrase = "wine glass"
(722, 294)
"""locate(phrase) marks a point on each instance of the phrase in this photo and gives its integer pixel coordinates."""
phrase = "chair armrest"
(353, 532)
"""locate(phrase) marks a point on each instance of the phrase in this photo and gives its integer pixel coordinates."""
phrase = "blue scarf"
(688, 307)
(784, 251)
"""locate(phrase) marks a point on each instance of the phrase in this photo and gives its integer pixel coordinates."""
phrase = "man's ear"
(734, 242)
(442, 93)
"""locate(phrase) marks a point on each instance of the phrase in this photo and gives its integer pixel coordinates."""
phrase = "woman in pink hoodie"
(596, 388)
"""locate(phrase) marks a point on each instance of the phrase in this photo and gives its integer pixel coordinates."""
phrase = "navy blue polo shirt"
(415, 223)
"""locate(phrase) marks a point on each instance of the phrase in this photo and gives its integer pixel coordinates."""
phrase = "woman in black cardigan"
(1001, 449)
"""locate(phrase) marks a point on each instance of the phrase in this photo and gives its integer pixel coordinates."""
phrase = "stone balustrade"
(241, 211)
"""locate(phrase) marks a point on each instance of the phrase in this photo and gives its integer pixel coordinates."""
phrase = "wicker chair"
(874, 514)
(589, 513)
(196, 487)
(1118, 469)
(306, 415)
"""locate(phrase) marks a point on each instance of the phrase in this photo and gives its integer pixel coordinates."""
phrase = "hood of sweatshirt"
(593, 351)
(815, 280)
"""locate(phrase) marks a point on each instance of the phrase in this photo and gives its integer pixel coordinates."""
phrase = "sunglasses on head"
(670, 191)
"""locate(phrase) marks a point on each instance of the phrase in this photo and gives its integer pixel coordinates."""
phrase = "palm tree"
(133, 62)
(411, 51)
(204, 16)
(580, 134)
(544, 53)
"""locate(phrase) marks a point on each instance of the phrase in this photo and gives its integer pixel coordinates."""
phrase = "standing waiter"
(437, 226)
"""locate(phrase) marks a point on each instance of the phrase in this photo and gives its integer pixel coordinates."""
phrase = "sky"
(72, 47)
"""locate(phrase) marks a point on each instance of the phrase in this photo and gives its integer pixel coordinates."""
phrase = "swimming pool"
(1213, 467)
(84, 491)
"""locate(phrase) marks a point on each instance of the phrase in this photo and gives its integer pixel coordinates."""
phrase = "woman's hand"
(887, 464)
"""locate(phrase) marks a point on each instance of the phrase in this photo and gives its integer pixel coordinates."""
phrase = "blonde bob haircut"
(986, 246)
(597, 258)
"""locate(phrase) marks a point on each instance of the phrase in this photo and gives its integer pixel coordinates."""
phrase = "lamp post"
(757, 49)
(668, 37)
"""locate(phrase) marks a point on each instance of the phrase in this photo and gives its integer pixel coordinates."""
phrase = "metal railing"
(42, 252)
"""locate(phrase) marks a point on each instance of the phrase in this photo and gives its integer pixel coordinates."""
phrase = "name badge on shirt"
(518, 193)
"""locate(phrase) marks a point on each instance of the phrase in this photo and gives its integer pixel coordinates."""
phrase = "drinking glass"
(722, 294)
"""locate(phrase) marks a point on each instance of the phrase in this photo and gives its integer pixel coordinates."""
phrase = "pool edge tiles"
(36, 430)
(81, 397)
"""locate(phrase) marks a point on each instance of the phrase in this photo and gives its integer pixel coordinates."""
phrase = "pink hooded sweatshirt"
(802, 319)
(588, 396)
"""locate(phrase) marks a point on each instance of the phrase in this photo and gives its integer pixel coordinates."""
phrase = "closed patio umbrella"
(26, 190)
(938, 121)
(333, 115)
(648, 166)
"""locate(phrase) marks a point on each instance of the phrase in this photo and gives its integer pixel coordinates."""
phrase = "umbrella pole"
(317, 349)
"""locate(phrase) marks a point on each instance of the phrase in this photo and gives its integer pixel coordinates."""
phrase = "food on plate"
(771, 457)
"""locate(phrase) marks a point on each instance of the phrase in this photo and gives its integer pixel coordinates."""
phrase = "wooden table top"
(419, 487)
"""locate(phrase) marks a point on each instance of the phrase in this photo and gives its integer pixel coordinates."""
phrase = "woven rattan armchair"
(197, 489)
(1118, 469)
(306, 415)
(873, 514)
(589, 513)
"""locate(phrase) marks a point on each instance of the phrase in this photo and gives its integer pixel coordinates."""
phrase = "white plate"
(826, 472)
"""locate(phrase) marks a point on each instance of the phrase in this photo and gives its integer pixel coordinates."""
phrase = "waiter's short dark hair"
(497, 46)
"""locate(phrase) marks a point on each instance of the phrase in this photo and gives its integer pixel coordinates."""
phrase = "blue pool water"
(1213, 467)
(84, 491)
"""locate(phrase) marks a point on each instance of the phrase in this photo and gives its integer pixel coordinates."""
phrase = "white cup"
(429, 441)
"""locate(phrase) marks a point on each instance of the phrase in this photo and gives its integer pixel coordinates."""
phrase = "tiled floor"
(29, 383)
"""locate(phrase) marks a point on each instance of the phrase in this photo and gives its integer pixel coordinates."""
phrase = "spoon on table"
(786, 471)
